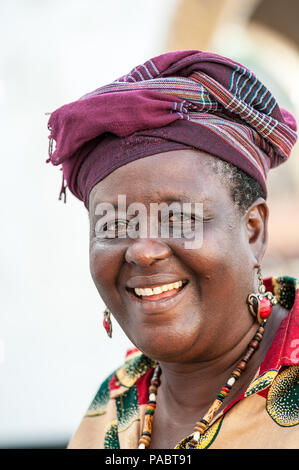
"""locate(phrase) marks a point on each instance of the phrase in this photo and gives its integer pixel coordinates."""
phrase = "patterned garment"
(266, 415)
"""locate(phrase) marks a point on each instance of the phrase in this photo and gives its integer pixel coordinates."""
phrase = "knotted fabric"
(184, 99)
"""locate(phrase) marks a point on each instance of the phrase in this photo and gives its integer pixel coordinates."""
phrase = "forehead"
(187, 173)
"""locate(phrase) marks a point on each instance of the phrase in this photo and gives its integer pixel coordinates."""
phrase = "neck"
(188, 389)
(181, 383)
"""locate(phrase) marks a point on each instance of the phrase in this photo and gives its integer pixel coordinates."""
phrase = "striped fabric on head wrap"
(178, 100)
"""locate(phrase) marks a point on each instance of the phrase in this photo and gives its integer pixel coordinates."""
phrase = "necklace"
(260, 306)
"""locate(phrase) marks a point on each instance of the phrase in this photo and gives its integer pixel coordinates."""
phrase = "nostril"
(146, 251)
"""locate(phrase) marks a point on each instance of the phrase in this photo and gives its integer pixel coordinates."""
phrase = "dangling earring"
(107, 323)
(260, 305)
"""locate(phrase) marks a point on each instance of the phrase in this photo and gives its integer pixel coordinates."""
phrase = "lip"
(153, 281)
(157, 306)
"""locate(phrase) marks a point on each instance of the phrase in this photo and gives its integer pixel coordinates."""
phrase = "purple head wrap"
(184, 99)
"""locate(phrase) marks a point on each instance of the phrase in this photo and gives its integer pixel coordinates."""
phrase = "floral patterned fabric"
(266, 415)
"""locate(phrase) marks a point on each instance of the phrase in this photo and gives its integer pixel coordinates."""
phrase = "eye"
(181, 217)
(111, 229)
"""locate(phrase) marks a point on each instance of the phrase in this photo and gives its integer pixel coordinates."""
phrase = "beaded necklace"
(265, 301)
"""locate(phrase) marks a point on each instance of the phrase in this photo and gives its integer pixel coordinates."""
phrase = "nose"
(146, 251)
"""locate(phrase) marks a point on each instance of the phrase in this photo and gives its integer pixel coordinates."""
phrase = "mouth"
(157, 293)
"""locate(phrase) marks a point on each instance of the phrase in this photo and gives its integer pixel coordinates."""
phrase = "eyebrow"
(181, 198)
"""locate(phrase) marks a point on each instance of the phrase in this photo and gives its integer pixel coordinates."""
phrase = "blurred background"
(54, 352)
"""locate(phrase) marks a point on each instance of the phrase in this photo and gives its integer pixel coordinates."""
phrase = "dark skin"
(198, 340)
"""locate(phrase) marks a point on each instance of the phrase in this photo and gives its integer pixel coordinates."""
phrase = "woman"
(215, 363)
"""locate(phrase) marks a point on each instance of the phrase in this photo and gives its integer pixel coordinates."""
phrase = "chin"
(165, 344)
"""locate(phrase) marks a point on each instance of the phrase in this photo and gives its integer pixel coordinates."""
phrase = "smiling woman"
(214, 363)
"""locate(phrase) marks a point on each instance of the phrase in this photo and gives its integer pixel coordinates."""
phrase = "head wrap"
(176, 100)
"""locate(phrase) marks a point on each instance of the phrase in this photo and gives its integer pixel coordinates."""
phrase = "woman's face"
(207, 314)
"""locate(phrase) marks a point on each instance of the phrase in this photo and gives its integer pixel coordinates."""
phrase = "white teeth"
(157, 290)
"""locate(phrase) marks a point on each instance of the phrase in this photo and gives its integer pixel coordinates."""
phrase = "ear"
(256, 228)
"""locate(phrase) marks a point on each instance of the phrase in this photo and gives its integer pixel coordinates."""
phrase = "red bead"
(265, 307)
(226, 389)
(107, 326)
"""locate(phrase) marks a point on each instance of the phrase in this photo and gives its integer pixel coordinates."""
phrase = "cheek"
(105, 264)
(219, 268)
(212, 258)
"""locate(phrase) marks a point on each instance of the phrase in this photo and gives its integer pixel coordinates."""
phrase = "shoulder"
(115, 406)
(283, 352)
(285, 288)
(120, 381)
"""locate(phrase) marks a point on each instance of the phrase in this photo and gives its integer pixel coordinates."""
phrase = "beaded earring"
(107, 323)
(260, 304)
